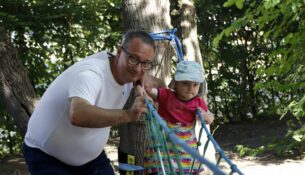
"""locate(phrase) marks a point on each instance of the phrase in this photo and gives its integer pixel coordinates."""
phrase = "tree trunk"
(151, 16)
(16, 91)
(189, 31)
(192, 52)
(190, 41)
(252, 94)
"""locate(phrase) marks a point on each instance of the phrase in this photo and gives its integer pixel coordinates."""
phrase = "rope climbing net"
(162, 138)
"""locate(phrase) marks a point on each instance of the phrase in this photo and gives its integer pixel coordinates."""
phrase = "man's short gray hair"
(143, 35)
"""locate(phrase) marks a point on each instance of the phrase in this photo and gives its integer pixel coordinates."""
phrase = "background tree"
(191, 47)
(271, 33)
(46, 37)
(151, 16)
(16, 90)
(226, 65)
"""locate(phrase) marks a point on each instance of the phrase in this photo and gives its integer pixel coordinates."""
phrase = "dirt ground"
(255, 134)
(251, 134)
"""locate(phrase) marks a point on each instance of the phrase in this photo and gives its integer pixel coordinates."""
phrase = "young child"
(177, 107)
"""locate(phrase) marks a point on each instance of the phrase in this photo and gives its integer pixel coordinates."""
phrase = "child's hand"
(207, 116)
(139, 91)
(149, 82)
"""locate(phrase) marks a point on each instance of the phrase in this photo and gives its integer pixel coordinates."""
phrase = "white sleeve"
(86, 85)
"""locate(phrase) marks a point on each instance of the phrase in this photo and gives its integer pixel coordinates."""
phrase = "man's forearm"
(84, 114)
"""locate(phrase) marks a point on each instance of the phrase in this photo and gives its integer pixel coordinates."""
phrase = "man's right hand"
(138, 108)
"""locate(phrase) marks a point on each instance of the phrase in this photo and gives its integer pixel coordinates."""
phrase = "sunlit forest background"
(253, 56)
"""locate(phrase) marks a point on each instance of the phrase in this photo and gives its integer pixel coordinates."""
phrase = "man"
(70, 126)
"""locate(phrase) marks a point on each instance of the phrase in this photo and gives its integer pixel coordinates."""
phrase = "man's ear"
(118, 54)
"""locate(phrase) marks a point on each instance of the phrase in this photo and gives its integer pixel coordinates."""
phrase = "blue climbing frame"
(170, 36)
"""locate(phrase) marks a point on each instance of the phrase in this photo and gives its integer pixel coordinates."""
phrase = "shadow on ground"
(13, 166)
(250, 134)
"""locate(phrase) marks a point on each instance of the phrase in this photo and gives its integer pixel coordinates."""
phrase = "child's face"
(186, 90)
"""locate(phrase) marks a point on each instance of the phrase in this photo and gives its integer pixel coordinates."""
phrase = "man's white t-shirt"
(50, 129)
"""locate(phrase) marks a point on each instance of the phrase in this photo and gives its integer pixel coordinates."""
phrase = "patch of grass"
(281, 148)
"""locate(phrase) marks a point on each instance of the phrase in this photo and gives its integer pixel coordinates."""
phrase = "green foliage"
(278, 63)
(270, 3)
(230, 77)
(238, 3)
(296, 108)
(246, 151)
(287, 146)
(10, 139)
(267, 39)
(53, 34)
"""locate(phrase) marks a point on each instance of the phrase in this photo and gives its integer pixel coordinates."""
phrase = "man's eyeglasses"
(145, 65)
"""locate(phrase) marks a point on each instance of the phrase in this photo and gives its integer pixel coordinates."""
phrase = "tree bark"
(192, 52)
(189, 31)
(151, 16)
(16, 91)
(189, 36)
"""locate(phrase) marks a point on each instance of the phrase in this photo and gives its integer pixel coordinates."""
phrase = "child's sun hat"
(189, 71)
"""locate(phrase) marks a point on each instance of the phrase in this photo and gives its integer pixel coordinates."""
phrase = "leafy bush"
(10, 140)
